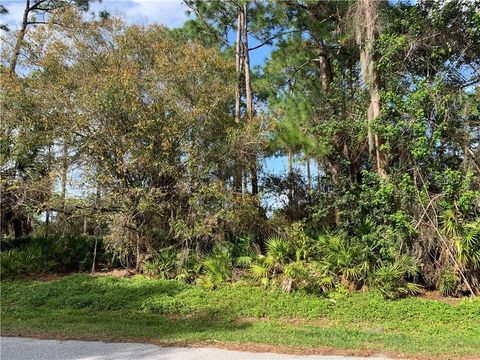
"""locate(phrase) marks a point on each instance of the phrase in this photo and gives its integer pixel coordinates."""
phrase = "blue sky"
(171, 13)
(168, 12)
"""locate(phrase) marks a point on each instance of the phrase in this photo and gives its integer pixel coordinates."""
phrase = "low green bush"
(34, 255)
(449, 283)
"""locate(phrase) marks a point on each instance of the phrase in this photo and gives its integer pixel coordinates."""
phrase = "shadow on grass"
(85, 306)
(119, 325)
(95, 293)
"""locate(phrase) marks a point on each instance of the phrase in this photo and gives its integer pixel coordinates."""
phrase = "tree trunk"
(366, 18)
(20, 37)
(47, 223)
(97, 227)
(238, 63)
(375, 99)
(246, 55)
(138, 257)
(290, 177)
(97, 198)
(336, 181)
(253, 169)
(94, 255)
(64, 174)
(309, 176)
(325, 80)
(237, 175)
(248, 93)
(47, 212)
(325, 69)
(319, 175)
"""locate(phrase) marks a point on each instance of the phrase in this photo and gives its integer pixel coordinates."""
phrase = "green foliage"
(378, 119)
(392, 279)
(171, 263)
(217, 266)
(278, 251)
(244, 250)
(164, 304)
(449, 283)
(164, 265)
(265, 268)
(345, 259)
(26, 256)
(29, 260)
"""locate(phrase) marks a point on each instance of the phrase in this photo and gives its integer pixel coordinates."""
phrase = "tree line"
(167, 134)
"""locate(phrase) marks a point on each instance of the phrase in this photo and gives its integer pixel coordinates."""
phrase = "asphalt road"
(13, 348)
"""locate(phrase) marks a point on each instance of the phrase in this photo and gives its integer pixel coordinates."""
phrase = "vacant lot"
(170, 312)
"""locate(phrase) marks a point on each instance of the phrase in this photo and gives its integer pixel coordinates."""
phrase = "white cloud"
(15, 13)
(170, 13)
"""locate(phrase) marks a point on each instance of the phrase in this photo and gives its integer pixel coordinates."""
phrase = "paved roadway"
(13, 348)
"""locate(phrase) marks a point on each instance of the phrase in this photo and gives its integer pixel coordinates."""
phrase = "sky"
(168, 12)
(171, 13)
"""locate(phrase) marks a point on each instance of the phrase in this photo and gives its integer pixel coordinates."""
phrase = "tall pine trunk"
(248, 94)
(237, 176)
(246, 56)
(238, 68)
(325, 80)
(325, 69)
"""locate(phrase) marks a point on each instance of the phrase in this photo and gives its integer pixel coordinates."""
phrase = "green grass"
(164, 311)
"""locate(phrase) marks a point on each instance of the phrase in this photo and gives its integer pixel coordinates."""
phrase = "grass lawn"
(238, 316)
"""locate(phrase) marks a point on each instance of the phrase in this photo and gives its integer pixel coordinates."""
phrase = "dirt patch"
(116, 273)
(436, 296)
(46, 277)
(322, 322)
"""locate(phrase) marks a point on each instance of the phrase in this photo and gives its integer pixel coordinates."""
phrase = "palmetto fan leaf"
(259, 271)
(244, 260)
(278, 250)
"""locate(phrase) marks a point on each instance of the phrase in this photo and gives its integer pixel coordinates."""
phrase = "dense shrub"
(46, 254)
